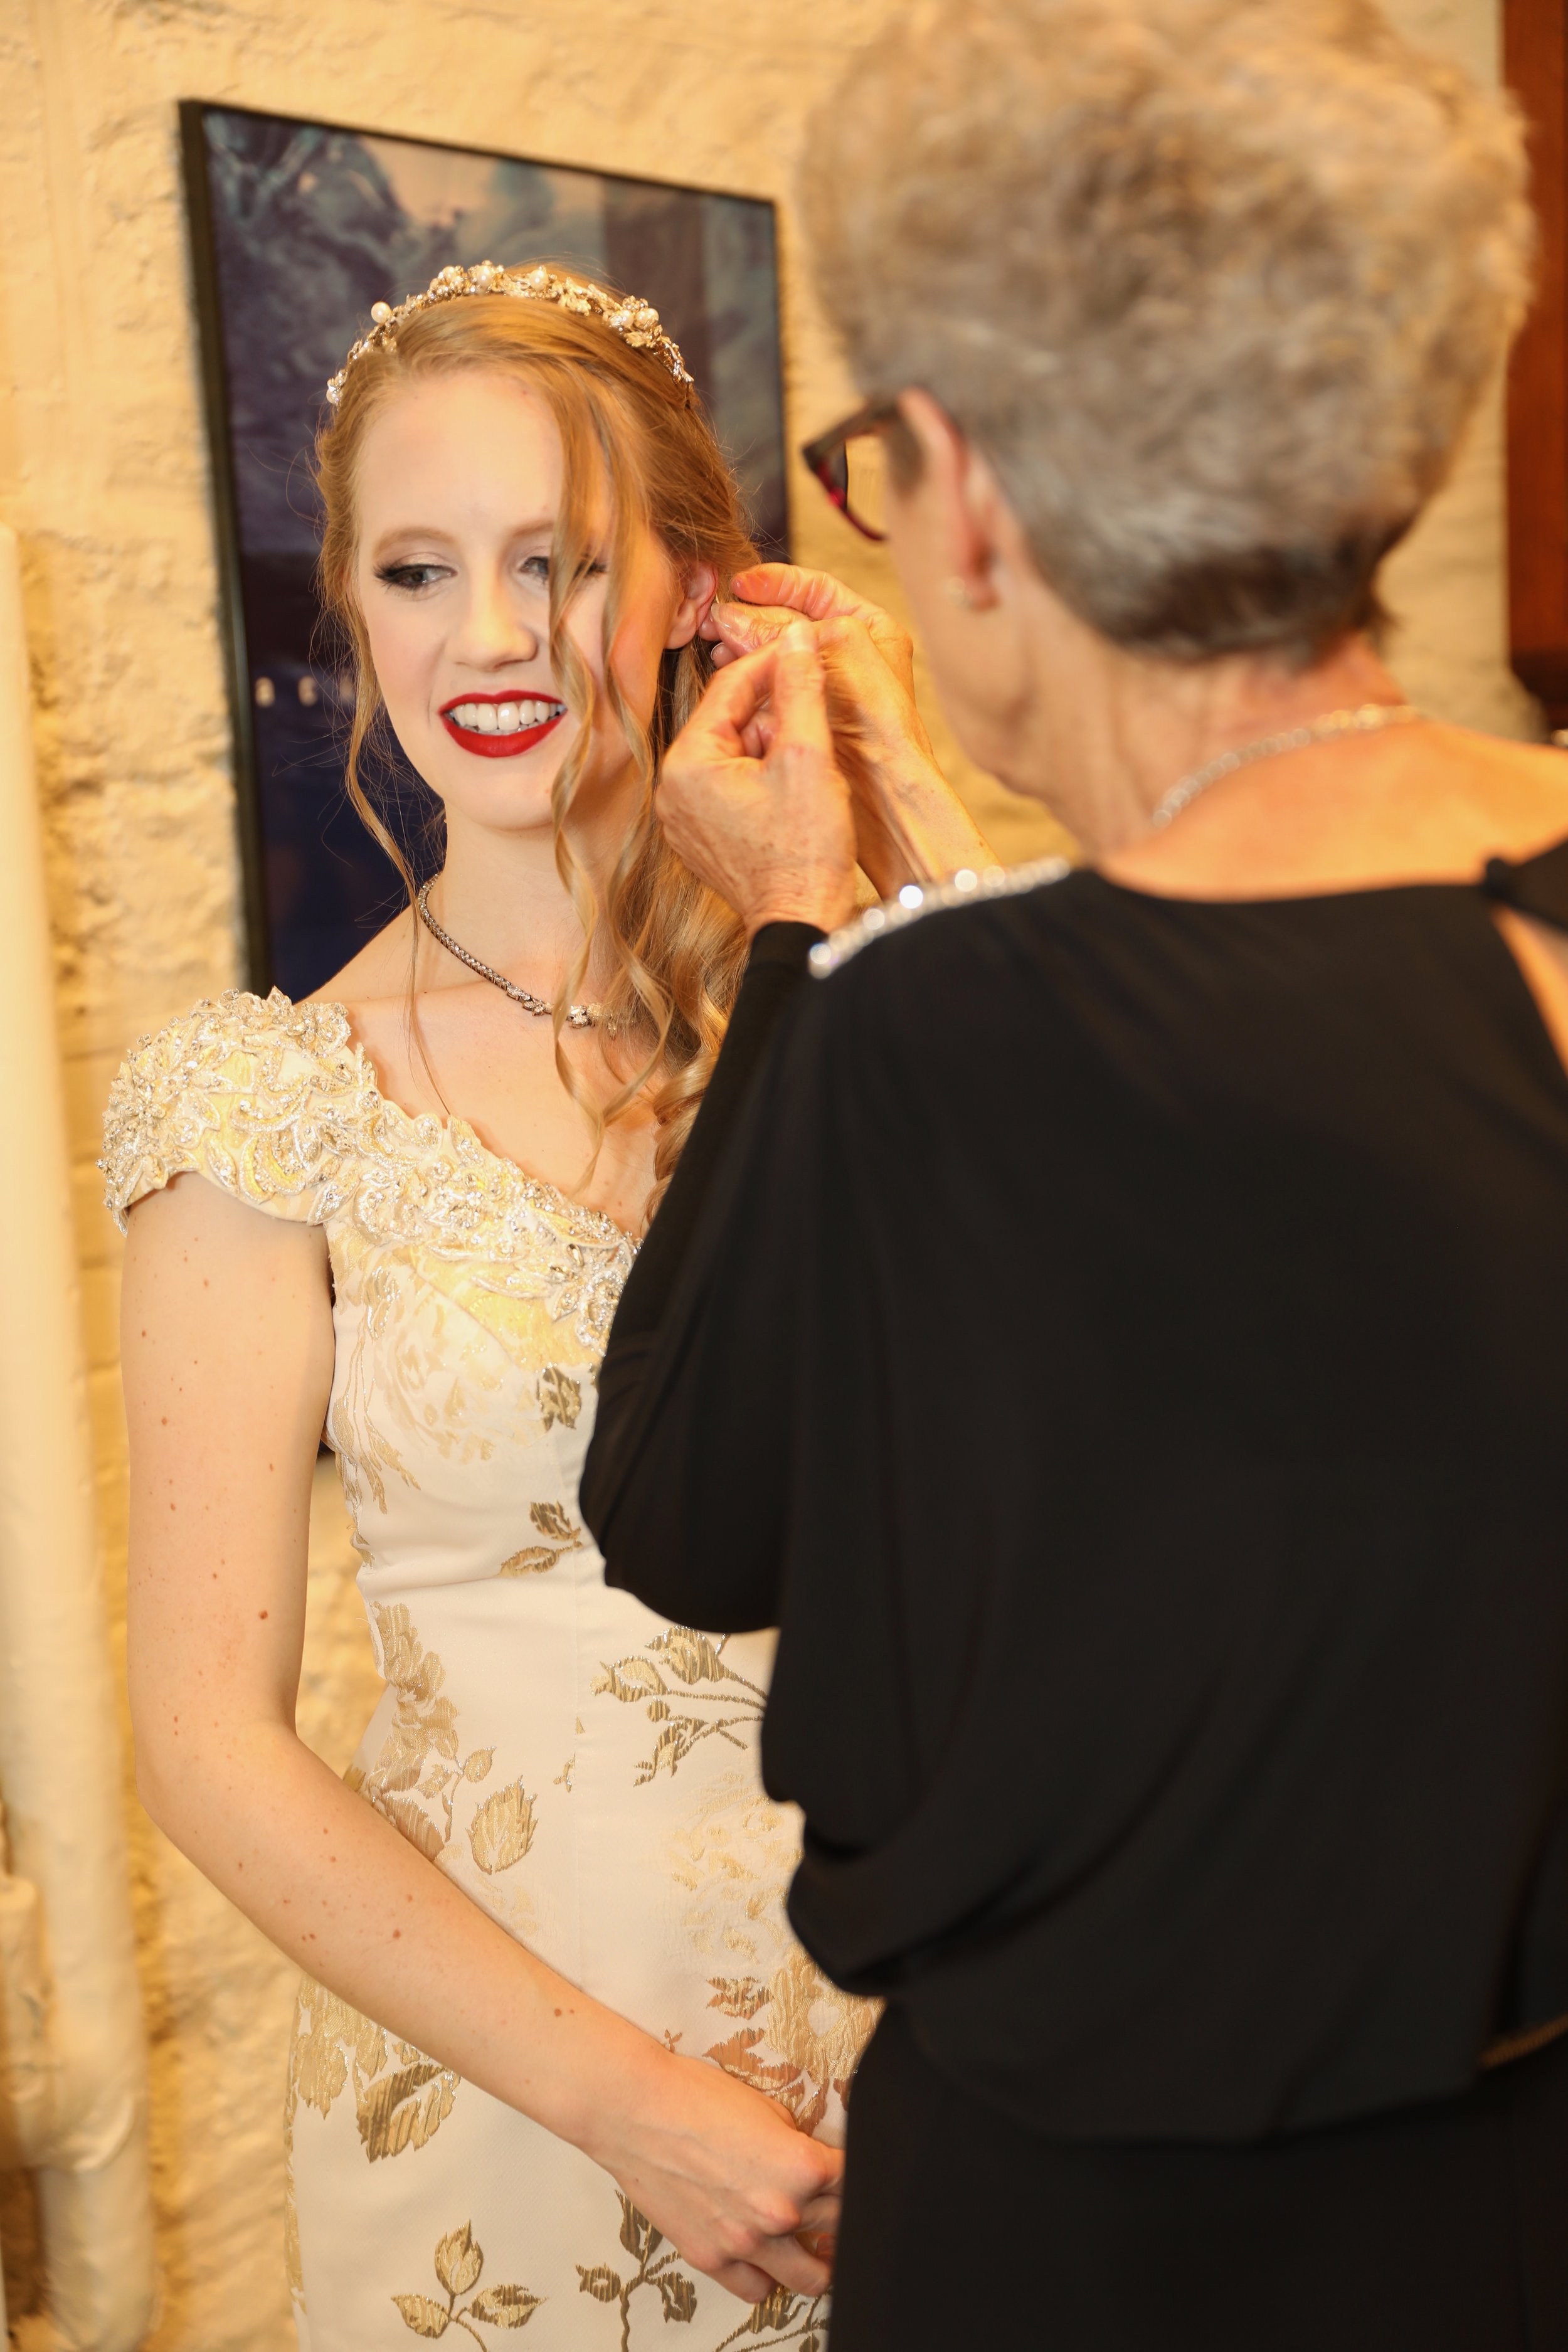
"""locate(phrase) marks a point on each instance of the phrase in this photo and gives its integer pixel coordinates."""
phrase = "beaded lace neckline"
(423, 1125)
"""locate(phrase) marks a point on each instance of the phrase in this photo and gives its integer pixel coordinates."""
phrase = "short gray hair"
(1214, 284)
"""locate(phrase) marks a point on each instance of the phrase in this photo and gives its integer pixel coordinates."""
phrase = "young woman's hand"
(723, 2173)
(910, 824)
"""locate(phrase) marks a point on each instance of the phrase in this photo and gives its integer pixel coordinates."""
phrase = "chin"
(508, 795)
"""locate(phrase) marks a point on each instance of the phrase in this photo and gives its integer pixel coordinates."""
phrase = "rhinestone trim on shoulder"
(918, 899)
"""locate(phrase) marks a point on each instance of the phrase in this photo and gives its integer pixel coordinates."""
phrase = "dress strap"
(1535, 886)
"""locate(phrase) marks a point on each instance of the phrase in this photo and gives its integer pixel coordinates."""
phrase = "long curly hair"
(631, 432)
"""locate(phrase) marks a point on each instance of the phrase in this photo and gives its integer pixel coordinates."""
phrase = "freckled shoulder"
(917, 898)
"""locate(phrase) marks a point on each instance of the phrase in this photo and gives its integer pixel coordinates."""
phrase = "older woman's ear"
(955, 517)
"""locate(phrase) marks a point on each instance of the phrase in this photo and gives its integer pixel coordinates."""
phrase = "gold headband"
(635, 322)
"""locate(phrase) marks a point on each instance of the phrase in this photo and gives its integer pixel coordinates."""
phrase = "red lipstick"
(488, 746)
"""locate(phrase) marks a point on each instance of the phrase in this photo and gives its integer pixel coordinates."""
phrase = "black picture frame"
(297, 225)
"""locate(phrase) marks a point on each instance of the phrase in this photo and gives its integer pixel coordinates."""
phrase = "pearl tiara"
(635, 322)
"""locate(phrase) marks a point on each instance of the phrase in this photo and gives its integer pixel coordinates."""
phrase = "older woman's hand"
(910, 824)
(752, 797)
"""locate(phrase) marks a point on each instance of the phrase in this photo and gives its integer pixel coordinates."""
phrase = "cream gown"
(587, 1773)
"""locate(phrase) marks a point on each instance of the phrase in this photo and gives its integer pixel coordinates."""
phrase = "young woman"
(548, 1976)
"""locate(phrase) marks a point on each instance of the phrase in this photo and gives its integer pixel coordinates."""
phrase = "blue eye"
(411, 577)
(537, 568)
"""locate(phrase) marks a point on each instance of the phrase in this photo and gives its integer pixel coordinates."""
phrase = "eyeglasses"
(853, 485)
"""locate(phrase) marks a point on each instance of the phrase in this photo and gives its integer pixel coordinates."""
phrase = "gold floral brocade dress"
(586, 1773)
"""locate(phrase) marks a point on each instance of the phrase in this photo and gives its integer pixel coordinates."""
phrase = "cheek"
(638, 645)
(398, 653)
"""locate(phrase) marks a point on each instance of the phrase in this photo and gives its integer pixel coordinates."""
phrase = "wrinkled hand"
(723, 2173)
(751, 798)
(910, 826)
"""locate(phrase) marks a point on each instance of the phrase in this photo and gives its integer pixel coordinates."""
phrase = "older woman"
(1127, 1349)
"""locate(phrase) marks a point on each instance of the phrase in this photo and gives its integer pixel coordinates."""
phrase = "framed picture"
(296, 227)
(1535, 64)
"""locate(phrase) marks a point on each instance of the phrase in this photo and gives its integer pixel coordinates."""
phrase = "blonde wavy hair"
(631, 432)
(1214, 284)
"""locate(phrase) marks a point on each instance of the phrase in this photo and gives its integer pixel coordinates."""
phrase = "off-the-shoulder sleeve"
(261, 1097)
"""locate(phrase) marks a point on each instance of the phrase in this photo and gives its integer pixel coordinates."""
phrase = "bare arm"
(227, 1349)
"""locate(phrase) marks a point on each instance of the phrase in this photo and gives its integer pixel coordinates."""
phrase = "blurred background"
(105, 477)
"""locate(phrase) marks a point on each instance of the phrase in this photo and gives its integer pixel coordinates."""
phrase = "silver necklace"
(1366, 719)
(578, 1016)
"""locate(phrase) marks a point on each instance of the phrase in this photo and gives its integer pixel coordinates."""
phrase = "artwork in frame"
(296, 227)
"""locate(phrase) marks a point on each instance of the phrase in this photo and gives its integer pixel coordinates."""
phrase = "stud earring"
(958, 592)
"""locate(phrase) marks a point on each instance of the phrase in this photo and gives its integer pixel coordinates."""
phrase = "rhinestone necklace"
(1368, 718)
(578, 1016)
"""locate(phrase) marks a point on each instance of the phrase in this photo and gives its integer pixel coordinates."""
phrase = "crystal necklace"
(1366, 719)
(578, 1016)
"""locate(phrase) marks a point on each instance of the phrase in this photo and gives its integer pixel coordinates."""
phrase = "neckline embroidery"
(426, 1128)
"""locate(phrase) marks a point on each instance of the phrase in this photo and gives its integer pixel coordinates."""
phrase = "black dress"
(1124, 1347)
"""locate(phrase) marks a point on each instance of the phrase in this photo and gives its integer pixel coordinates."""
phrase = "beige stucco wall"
(103, 472)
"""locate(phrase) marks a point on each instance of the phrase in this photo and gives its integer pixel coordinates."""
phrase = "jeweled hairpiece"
(635, 322)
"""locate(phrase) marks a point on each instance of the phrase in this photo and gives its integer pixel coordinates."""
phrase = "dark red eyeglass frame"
(828, 458)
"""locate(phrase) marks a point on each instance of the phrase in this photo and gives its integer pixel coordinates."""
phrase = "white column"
(60, 1769)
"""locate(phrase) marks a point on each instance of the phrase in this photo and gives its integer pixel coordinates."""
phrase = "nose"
(494, 633)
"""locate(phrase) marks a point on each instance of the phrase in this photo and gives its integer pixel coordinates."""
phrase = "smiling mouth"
(498, 726)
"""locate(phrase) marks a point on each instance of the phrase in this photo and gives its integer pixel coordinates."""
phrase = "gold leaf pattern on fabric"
(679, 2296)
(415, 1824)
(502, 1829)
(459, 2261)
(782, 2318)
(332, 2047)
(561, 1535)
(537, 1559)
(425, 2318)
(503, 2306)
(420, 1751)
(694, 1659)
(555, 1523)
(801, 2037)
(404, 2109)
(674, 2292)
(560, 1398)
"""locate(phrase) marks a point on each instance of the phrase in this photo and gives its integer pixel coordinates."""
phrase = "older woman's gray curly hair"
(1213, 283)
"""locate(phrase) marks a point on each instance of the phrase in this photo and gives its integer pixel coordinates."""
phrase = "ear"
(965, 500)
(698, 589)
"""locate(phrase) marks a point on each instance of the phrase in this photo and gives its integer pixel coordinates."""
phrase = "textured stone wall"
(103, 472)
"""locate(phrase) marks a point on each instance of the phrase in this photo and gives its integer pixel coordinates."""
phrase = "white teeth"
(503, 717)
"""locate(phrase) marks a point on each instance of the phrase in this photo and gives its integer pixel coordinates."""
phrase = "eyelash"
(408, 580)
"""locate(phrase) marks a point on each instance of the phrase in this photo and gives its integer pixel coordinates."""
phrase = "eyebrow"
(398, 533)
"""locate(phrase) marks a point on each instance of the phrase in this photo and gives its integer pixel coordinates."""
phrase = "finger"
(743, 2279)
(823, 2212)
(799, 695)
(793, 2266)
(731, 701)
(816, 595)
(747, 626)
